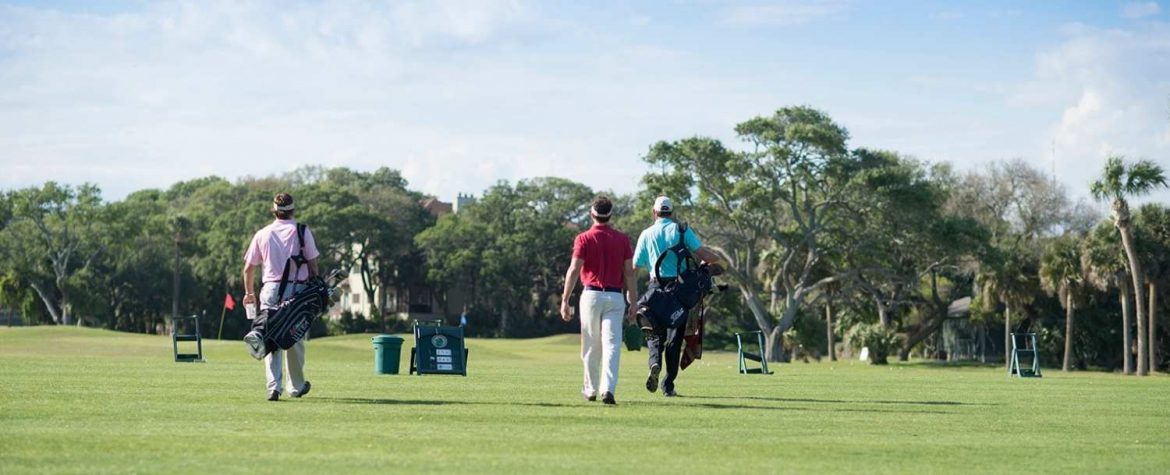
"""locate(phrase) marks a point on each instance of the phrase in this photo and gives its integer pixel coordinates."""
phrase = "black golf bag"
(283, 326)
(665, 305)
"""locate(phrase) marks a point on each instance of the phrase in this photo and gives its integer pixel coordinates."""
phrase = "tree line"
(828, 247)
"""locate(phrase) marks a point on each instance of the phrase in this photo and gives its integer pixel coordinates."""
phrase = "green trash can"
(387, 352)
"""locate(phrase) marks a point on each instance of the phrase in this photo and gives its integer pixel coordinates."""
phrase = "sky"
(459, 95)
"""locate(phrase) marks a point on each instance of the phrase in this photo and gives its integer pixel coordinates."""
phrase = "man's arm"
(641, 254)
(311, 252)
(712, 260)
(249, 294)
(631, 288)
(570, 284)
(707, 255)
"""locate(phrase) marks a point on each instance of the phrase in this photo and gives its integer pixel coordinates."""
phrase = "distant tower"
(462, 200)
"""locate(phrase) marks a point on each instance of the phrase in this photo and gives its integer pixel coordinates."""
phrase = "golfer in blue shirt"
(654, 241)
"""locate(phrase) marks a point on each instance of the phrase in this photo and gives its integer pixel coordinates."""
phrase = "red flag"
(228, 303)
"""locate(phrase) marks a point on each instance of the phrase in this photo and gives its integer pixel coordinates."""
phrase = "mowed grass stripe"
(92, 401)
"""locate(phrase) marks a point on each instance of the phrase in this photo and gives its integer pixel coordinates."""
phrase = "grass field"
(91, 401)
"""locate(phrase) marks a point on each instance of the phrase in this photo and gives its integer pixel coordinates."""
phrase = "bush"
(880, 341)
(807, 338)
(347, 323)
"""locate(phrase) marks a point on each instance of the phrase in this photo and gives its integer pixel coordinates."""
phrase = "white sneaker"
(255, 345)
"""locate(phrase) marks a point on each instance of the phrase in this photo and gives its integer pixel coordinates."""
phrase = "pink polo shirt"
(272, 246)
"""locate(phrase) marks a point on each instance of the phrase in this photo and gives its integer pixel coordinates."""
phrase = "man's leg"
(273, 363)
(654, 341)
(611, 331)
(295, 356)
(674, 345)
(591, 308)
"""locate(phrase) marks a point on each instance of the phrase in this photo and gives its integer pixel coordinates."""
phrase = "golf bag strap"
(680, 249)
(296, 260)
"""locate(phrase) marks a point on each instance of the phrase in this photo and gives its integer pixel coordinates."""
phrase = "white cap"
(662, 203)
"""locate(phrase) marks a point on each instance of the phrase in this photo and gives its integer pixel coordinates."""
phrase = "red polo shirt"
(603, 250)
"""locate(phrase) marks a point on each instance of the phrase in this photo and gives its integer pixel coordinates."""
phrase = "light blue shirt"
(655, 240)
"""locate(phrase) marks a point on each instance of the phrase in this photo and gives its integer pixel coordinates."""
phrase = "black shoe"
(669, 392)
(274, 395)
(607, 398)
(304, 390)
(652, 380)
(590, 398)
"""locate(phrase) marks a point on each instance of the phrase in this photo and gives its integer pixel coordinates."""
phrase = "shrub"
(348, 322)
(880, 341)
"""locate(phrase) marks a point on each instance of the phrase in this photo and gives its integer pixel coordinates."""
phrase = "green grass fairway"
(91, 401)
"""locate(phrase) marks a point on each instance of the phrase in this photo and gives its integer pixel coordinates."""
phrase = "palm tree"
(1103, 261)
(1153, 225)
(1119, 182)
(1061, 274)
(1008, 277)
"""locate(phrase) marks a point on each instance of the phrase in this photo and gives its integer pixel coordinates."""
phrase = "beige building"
(416, 302)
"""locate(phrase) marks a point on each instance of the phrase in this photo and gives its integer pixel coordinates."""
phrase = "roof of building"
(959, 308)
(435, 207)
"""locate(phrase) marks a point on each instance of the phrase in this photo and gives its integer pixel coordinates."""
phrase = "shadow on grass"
(418, 402)
(953, 365)
(806, 409)
(366, 400)
(680, 401)
(843, 401)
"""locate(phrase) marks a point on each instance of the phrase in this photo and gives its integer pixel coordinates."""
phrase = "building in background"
(414, 302)
(438, 208)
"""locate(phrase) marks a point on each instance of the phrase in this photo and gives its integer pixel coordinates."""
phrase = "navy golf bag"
(665, 305)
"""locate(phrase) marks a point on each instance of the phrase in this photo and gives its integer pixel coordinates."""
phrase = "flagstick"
(221, 314)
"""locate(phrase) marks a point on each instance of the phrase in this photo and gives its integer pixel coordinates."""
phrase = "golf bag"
(666, 305)
(658, 309)
(283, 326)
(693, 282)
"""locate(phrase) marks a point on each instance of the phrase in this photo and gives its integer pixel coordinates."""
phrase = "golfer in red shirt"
(603, 258)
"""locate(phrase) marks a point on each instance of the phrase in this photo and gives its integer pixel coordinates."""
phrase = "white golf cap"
(662, 203)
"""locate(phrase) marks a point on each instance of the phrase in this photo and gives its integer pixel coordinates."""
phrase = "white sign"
(444, 359)
(443, 352)
(445, 367)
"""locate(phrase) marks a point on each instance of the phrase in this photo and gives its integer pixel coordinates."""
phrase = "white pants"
(601, 339)
(295, 356)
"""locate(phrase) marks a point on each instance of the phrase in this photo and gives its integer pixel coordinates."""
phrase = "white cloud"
(1005, 13)
(466, 21)
(639, 20)
(1111, 88)
(947, 15)
(460, 95)
(784, 13)
(456, 95)
(1134, 10)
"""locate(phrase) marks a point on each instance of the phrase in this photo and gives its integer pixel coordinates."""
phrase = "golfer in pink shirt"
(272, 248)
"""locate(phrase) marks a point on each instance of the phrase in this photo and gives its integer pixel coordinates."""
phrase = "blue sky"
(461, 94)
